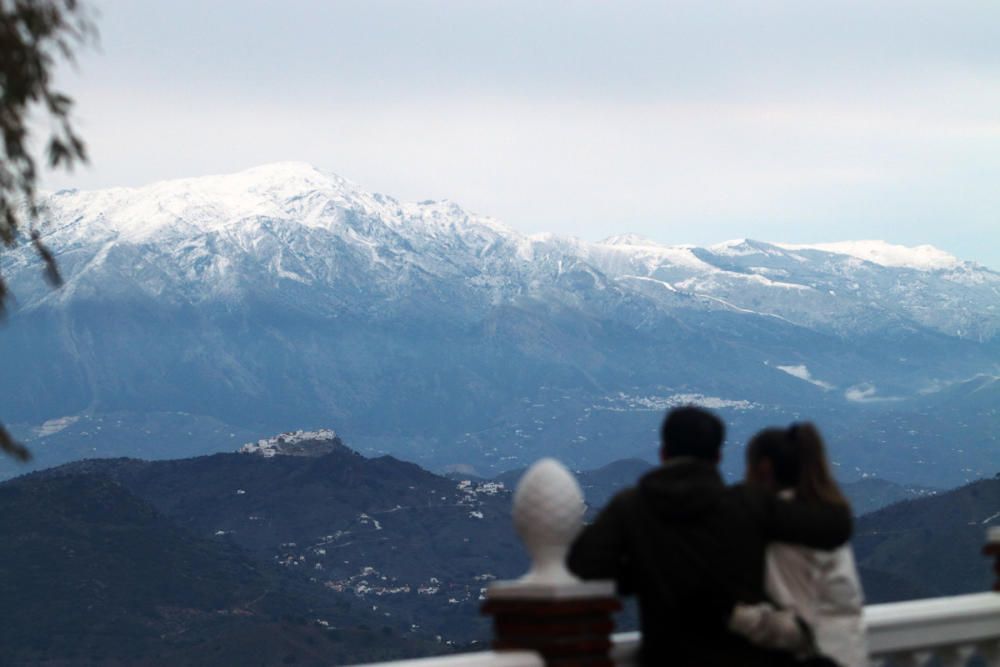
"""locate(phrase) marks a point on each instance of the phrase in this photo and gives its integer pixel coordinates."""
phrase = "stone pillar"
(992, 548)
(549, 610)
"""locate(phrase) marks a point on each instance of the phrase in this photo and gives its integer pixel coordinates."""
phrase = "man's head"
(694, 432)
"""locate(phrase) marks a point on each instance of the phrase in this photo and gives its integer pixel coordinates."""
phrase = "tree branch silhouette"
(35, 36)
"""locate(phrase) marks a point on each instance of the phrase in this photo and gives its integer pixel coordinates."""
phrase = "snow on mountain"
(291, 229)
(742, 248)
(921, 258)
(801, 371)
(639, 253)
(188, 206)
(198, 309)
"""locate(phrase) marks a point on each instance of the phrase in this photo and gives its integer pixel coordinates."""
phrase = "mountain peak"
(629, 239)
(185, 207)
(283, 167)
(290, 172)
(741, 247)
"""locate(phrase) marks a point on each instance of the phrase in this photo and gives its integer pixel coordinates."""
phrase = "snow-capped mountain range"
(284, 296)
(224, 237)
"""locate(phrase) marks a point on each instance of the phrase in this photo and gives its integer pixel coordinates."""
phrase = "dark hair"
(798, 460)
(692, 431)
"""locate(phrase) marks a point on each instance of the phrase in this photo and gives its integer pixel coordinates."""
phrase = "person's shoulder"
(625, 497)
(622, 503)
(748, 498)
(744, 492)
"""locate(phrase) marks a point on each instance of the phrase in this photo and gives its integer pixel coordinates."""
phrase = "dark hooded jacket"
(690, 547)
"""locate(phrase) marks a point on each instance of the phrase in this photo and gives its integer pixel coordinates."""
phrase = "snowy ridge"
(237, 204)
(921, 258)
(291, 229)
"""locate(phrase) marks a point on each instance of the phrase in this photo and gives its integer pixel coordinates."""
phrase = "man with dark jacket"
(690, 547)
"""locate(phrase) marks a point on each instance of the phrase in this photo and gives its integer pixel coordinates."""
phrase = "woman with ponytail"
(820, 590)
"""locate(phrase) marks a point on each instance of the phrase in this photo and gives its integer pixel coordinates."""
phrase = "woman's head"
(793, 458)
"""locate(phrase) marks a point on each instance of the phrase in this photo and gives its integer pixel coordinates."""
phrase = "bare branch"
(13, 448)
(35, 35)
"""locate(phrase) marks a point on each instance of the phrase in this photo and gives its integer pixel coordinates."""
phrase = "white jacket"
(824, 590)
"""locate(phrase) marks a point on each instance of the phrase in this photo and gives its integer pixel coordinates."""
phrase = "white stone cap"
(521, 590)
(548, 514)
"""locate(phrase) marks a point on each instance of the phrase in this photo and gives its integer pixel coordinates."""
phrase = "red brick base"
(567, 633)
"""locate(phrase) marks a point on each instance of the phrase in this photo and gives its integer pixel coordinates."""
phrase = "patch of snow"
(611, 254)
(652, 280)
(53, 426)
(922, 257)
(758, 278)
(738, 309)
(734, 248)
(631, 240)
(768, 271)
(802, 372)
(866, 393)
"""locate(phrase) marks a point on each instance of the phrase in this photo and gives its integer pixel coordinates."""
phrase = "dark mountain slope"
(93, 575)
(930, 545)
(866, 495)
(419, 547)
(871, 494)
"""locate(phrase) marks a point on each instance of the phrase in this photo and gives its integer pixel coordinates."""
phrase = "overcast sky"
(688, 122)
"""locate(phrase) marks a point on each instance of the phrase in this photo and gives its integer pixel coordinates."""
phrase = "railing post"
(990, 652)
(956, 656)
(549, 610)
(992, 548)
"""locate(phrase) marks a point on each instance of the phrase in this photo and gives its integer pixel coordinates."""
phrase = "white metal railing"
(901, 634)
(478, 659)
(952, 629)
